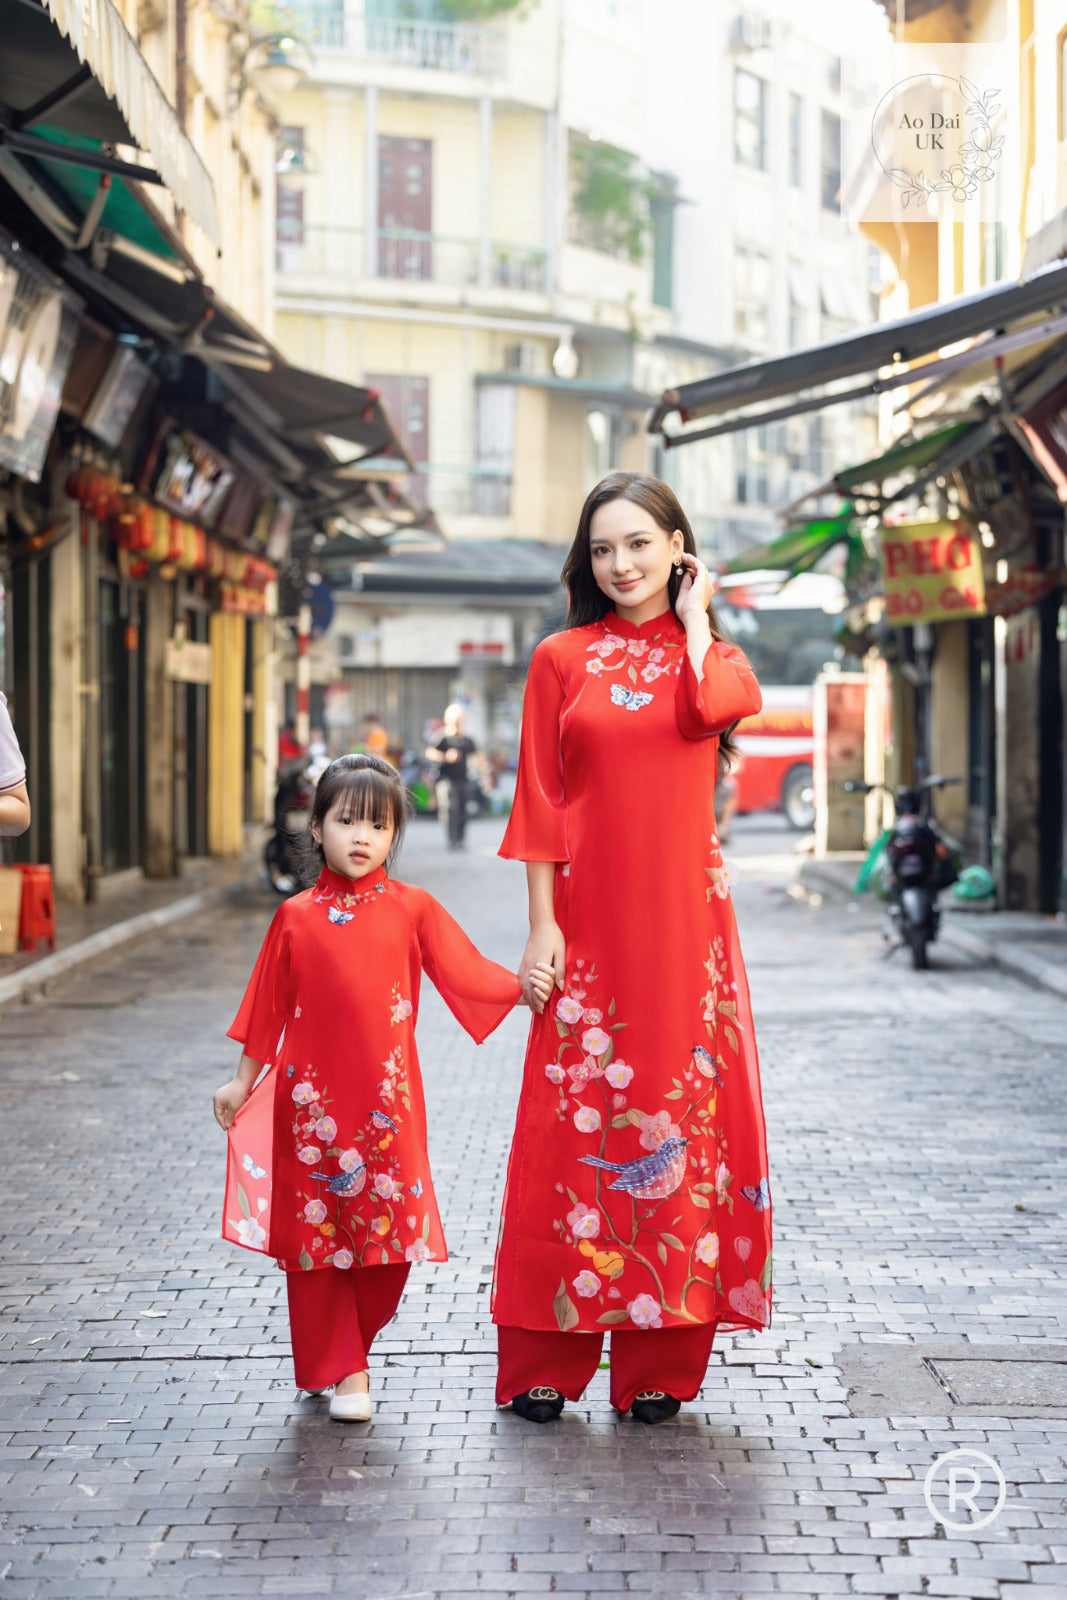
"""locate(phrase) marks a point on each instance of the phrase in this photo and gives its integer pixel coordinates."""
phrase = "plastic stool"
(38, 915)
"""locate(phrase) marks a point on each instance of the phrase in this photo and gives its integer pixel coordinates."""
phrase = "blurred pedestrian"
(328, 1170)
(453, 751)
(375, 736)
(14, 797)
(289, 748)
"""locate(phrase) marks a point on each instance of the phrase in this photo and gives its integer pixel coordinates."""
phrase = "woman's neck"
(647, 610)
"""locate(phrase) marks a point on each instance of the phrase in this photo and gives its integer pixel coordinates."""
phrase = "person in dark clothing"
(452, 751)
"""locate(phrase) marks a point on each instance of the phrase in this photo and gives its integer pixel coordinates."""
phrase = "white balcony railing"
(459, 47)
(341, 255)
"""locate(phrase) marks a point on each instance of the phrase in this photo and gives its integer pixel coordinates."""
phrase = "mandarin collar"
(666, 622)
(332, 882)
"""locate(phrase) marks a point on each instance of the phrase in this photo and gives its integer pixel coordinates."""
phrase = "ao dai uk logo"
(937, 140)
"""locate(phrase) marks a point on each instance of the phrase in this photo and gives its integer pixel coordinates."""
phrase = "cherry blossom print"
(619, 1074)
(750, 1300)
(618, 1102)
(309, 1154)
(657, 1129)
(304, 1093)
(707, 1249)
(250, 1233)
(583, 1071)
(401, 1011)
(386, 1187)
(743, 1247)
(326, 1129)
(379, 1225)
(586, 1285)
(343, 1259)
(722, 1182)
(315, 1212)
(595, 666)
(587, 1119)
(349, 1160)
(595, 1041)
(567, 1010)
(419, 1251)
(593, 1014)
(584, 1221)
(554, 1074)
(645, 1312)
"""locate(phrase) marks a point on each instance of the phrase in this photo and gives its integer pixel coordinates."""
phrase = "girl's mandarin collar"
(666, 622)
(336, 883)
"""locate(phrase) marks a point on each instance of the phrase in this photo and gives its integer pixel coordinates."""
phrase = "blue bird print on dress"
(632, 699)
(340, 917)
(380, 1120)
(650, 1177)
(347, 1183)
(705, 1062)
(758, 1194)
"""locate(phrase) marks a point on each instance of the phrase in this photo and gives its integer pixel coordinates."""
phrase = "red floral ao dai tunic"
(637, 1189)
(327, 1157)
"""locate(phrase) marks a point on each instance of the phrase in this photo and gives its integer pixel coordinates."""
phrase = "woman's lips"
(630, 583)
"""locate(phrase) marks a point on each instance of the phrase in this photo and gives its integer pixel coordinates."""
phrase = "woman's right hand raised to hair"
(545, 947)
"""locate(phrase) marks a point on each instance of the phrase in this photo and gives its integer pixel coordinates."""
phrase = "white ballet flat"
(351, 1407)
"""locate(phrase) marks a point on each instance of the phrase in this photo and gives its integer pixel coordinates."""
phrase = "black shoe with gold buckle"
(655, 1406)
(538, 1405)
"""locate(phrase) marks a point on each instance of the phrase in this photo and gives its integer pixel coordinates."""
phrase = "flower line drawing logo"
(975, 156)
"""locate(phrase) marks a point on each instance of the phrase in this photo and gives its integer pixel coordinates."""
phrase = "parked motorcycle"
(292, 807)
(917, 861)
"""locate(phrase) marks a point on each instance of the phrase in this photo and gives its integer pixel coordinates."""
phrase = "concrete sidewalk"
(134, 908)
(1030, 947)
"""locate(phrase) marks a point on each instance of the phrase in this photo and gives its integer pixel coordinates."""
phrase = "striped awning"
(99, 37)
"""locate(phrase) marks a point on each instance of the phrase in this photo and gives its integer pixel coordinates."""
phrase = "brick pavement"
(153, 1441)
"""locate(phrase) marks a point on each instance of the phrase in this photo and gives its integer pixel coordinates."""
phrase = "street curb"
(21, 985)
(1020, 963)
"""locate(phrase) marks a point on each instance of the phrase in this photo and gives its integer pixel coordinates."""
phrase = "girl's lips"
(631, 583)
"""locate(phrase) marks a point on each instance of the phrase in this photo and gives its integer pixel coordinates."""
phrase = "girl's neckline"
(335, 883)
(666, 622)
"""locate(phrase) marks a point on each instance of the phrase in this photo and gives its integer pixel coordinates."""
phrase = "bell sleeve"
(537, 827)
(477, 991)
(261, 1019)
(726, 691)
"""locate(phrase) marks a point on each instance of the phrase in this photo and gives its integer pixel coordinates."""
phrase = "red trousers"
(335, 1316)
(672, 1359)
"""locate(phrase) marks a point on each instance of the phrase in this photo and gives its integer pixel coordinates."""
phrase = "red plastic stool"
(37, 919)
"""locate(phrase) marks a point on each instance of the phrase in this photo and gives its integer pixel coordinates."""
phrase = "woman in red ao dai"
(637, 1199)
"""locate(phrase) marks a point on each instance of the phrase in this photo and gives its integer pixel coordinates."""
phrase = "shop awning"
(797, 550)
(73, 82)
(306, 406)
(908, 340)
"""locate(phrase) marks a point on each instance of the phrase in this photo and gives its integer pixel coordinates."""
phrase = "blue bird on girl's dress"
(380, 1120)
(650, 1177)
(344, 1182)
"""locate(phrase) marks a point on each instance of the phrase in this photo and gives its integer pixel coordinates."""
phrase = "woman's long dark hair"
(588, 602)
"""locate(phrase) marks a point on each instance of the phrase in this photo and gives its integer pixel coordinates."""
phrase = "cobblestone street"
(155, 1444)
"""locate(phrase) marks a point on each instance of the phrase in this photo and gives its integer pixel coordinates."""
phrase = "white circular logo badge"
(959, 1486)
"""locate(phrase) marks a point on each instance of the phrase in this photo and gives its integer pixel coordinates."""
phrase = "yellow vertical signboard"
(932, 572)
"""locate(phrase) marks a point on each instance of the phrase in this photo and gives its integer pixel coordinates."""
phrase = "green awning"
(918, 454)
(795, 551)
(122, 213)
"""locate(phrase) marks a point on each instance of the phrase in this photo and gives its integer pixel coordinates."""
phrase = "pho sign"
(932, 572)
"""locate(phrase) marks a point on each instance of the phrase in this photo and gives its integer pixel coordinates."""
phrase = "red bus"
(787, 635)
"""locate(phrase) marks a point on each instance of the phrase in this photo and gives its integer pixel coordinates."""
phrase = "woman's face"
(353, 846)
(632, 556)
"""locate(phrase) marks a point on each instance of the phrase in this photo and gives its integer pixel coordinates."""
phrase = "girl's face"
(353, 846)
(632, 557)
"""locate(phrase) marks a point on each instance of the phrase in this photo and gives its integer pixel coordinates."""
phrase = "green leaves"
(765, 1275)
(305, 1260)
(611, 1319)
(242, 1200)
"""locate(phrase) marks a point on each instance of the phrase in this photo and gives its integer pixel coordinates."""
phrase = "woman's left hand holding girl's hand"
(542, 980)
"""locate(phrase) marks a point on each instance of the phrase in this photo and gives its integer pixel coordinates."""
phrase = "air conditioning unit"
(527, 357)
(750, 31)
